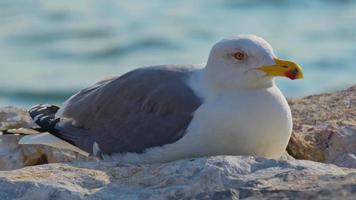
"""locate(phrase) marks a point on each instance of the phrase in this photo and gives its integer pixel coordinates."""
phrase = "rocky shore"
(321, 165)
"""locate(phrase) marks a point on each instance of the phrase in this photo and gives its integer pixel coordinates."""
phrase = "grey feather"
(144, 108)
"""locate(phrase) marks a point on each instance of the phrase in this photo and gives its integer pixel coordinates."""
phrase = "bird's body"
(237, 123)
(165, 113)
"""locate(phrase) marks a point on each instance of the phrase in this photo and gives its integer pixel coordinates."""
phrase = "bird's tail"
(44, 116)
(52, 141)
(57, 134)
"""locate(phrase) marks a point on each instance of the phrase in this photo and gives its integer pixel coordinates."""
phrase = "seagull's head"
(247, 61)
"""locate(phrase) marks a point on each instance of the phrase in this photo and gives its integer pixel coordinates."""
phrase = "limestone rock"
(222, 177)
(11, 117)
(324, 131)
(325, 128)
(15, 156)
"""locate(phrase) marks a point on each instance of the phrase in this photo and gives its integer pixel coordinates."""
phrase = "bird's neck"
(207, 88)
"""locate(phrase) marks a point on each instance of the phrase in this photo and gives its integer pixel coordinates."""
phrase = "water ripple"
(40, 96)
(114, 51)
(38, 38)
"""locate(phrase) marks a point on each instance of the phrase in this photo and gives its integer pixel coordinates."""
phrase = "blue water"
(49, 49)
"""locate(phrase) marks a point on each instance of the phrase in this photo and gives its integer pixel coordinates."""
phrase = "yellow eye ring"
(240, 55)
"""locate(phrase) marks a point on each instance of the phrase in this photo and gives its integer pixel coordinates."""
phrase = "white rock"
(11, 117)
(325, 128)
(11, 156)
(342, 146)
(15, 156)
(224, 177)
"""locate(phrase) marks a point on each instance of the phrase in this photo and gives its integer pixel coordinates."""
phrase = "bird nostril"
(284, 66)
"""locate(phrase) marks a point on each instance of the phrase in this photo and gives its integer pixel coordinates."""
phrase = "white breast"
(254, 122)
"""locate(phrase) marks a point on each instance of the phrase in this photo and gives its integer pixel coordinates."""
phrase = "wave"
(280, 3)
(107, 51)
(38, 96)
(40, 38)
(113, 51)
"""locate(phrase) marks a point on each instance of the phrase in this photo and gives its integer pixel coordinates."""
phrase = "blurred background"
(49, 49)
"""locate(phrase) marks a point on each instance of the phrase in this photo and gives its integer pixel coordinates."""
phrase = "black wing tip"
(46, 109)
(44, 115)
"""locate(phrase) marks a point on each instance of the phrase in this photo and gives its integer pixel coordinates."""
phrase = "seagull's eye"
(240, 55)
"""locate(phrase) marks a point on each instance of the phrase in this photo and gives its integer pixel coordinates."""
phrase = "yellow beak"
(283, 68)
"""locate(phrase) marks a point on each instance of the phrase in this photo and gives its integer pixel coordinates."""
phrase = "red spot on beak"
(292, 74)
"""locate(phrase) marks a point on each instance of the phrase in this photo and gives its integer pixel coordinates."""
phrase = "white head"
(246, 61)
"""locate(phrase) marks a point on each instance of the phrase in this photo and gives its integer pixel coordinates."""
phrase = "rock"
(324, 131)
(325, 128)
(11, 156)
(15, 156)
(11, 117)
(222, 177)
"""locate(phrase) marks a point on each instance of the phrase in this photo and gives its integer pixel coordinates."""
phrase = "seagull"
(231, 106)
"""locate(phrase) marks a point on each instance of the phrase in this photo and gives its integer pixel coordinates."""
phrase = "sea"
(50, 49)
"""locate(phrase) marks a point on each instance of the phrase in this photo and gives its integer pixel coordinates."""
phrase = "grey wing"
(144, 108)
